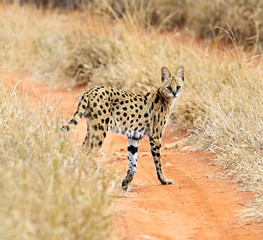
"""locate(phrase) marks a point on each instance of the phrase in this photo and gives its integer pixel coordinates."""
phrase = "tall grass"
(49, 189)
(222, 99)
(209, 19)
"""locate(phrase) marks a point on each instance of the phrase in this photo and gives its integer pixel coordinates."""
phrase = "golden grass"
(49, 189)
(221, 105)
(216, 19)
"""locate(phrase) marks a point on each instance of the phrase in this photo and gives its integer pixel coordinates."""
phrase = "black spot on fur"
(132, 149)
(153, 154)
(73, 121)
(157, 99)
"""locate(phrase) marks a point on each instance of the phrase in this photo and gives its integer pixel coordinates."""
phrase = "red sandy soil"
(198, 205)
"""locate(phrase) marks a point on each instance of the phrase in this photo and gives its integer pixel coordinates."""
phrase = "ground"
(199, 204)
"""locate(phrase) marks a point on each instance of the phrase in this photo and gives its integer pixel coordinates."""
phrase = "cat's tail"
(81, 109)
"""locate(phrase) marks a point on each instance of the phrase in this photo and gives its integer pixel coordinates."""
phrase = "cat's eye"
(178, 87)
(169, 88)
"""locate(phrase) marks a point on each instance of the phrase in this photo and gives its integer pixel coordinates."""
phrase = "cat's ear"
(180, 72)
(165, 73)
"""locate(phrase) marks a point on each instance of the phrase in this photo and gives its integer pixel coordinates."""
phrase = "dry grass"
(49, 188)
(221, 106)
(215, 20)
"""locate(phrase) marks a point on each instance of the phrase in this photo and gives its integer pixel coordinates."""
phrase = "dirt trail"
(197, 206)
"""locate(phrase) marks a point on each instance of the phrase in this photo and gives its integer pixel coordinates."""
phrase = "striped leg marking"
(132, 162)
(156, 154)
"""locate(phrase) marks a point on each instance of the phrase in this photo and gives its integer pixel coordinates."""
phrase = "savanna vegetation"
(49, 190)
(219, 19)
(220, 108)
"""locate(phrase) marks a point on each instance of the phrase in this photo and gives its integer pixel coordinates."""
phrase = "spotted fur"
(132, 115)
